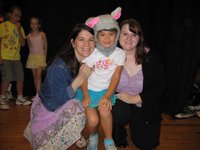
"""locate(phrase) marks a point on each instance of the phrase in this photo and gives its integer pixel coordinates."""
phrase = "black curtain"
(182, 54)
(171, 28)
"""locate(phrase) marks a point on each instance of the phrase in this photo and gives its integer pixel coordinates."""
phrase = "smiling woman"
(140, 91)
(171, 30)
(57, 118)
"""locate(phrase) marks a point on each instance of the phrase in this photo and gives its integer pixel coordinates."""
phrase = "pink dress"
(36, 56)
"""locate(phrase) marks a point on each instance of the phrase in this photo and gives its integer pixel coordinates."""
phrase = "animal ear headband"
(116, 14)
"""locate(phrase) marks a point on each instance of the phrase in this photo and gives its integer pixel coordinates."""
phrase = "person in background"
(12, 37)
(192, 108)
(57, 118)
(97, 93)
(139, 92)
(37, 43)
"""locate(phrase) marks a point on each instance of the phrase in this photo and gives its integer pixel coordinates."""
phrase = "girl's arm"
(28, 40)
(105, 102)
(86, 97)
(45, 43)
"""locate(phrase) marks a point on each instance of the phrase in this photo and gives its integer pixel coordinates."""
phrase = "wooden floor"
(175, 134)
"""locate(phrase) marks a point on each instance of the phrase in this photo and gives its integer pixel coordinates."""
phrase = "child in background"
(107, 60)
(12, 37)
(37, 43)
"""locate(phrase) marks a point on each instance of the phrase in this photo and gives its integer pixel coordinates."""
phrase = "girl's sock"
(108, 141)
(94, 135)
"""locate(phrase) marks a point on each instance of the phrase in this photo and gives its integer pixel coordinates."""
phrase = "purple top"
(131, 84)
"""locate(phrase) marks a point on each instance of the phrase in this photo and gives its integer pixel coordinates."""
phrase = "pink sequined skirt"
(56, 130)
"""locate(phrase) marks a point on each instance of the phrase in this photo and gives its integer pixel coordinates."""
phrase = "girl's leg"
(92, 120)
(106, 123)
(92, 124)
(38, 78)
(37, 74)
(34, 77)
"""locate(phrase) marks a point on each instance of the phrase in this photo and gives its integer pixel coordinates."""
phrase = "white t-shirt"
(104, 67)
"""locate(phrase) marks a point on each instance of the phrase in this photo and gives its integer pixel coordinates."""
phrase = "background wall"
(171, 28)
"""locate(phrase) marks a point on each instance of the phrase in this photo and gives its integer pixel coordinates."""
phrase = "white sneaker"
(22, 101)
(183, 115)
(4, 105)
(194, 107)
(187, 113)
(3, 98)
(110, 147)
(93, 142)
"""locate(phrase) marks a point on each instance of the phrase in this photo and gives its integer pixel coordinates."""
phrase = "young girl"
(107, 60)
(37, 43)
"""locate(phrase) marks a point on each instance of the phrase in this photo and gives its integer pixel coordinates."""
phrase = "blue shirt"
(56, 88)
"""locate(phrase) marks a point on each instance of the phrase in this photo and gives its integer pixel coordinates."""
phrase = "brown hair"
(135, 27)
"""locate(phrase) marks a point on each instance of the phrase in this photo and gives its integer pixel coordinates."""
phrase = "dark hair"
(67, 52)
(39, 22)
(14, 7)
(135, 27)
